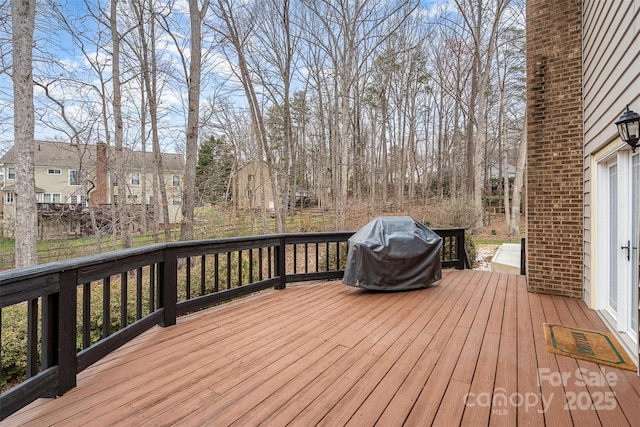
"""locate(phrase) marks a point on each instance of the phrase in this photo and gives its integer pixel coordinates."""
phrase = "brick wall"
(554, 202)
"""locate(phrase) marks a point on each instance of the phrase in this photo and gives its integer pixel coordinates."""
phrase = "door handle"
(628, 248)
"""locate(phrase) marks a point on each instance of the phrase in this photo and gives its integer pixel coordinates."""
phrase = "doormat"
(593, 346)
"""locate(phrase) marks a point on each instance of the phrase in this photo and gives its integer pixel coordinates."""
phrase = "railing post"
(66, 308)
(168, 287)
(460, 249)
(523, 257)
(281, 265)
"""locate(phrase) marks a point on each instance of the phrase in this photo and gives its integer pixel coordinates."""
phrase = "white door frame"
(620, 319)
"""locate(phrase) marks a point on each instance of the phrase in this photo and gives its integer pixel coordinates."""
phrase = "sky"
(59, 61)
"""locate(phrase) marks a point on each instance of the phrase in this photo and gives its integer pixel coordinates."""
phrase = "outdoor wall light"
(629, 128)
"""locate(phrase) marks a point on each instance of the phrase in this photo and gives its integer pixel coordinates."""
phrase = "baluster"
(216, 273)
(228, 270)
(86, 315)
(139, 293)
(203, 275)
(250, 265)
(32, 338)
(240, 268)
(188, 273)
(124, 281)
(106, 307)
(317, 258)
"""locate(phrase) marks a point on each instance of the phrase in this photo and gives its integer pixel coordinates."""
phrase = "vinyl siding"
(611, 80)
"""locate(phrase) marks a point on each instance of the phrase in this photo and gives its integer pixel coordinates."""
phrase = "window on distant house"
(135, 179)
(176, 180)
(176, 201)
(51, 198)
(150, 200)
(115, 199)
(10, 197)
(249, 178)
(52, 171)
(114, 179)
(74, 177)
(77, 200)
(11, 173)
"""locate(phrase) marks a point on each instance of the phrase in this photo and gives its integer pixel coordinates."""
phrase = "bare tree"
(237, 31)
(26, 220)
(482, 21)
(196, 16)
(123, 216)
(146, 54)
(518, 182)
(279, 45)
(78, 141)
(352, 33)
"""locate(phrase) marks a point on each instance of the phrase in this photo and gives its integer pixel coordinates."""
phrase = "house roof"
(11, 188)
(64, 154)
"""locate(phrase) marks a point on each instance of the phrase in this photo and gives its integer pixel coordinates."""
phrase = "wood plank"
(250, 368)
(527, 361)
(185, 354)
(393, 327)
(385, 376)
(286, 413)
(549, 375)
(479, 314)
(429, 399)
(596, 392)
(481, 391)
(373, 316)
(404, 400)
(453, 404)
(340, 394)
(328, 354)
(576, 395)
(626, 384)
(507, 374)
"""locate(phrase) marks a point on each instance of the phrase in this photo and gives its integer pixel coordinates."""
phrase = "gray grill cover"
(393, 253)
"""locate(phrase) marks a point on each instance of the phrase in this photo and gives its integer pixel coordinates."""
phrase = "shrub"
(14, 345)
(451, 214)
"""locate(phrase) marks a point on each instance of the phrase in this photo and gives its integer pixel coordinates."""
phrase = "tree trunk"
(518, 187)
(26, 218)
(122, 211)
(195, 69)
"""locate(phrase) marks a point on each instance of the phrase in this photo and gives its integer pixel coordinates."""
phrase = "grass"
(483, 241)
(214, 222)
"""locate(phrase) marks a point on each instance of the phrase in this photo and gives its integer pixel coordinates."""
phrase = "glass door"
(622, 237)
(635, 241)
(612, 289)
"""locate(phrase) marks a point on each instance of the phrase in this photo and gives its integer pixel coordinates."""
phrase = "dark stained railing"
(79, 310)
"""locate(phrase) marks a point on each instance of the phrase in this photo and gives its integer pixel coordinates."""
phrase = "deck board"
(328, 354)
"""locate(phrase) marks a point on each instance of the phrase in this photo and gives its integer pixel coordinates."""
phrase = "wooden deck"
(468, 351)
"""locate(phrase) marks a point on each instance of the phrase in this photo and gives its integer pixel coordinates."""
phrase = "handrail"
(132, 290)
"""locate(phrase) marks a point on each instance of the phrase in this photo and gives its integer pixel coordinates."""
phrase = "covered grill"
(393, 253)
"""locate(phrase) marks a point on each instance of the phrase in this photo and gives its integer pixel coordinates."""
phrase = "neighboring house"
(253, 186)
(2, 185)
(70, 177)
(583, 188)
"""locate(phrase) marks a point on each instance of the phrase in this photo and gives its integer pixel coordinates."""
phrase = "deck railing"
(82, 309)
